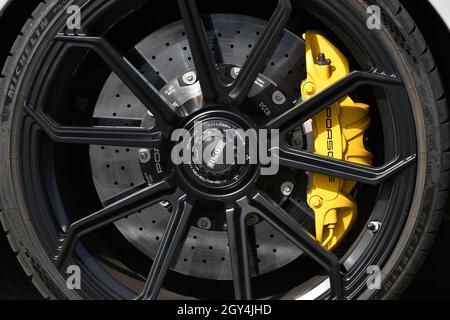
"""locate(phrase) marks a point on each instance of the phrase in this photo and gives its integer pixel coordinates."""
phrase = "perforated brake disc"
(169, 66)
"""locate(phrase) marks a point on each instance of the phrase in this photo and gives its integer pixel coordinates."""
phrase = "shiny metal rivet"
(235, 72)
(190, 78)
(278, 98)
(374, 226)
(145, 156)
(204, 223)
(287, 188)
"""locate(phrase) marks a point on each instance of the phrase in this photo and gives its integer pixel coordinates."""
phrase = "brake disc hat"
(116, 171)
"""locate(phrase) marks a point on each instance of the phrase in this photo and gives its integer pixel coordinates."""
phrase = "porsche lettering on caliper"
(339, 133)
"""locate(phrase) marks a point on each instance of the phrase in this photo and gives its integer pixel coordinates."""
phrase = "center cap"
(213, 161)
(219, 153)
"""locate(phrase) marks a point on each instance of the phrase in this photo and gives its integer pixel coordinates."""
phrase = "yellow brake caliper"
(338, 133)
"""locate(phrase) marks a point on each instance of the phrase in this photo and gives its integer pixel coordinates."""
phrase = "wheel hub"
(219, 153)
(210, 167)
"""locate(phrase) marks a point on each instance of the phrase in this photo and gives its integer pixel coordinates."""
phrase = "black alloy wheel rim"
(42, 138)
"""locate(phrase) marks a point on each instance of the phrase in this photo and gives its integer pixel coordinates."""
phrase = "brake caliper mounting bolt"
(309, 88)
(374, 226)
(278, 98)
(316, 202)
(204, 223)
(145, 156)
(287, 188)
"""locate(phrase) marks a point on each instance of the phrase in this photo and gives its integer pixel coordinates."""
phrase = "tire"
(399, 36)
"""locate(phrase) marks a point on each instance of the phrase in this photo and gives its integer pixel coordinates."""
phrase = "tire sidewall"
(18, 69)
(405, 258)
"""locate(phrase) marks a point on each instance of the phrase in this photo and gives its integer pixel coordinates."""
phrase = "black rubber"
(419, 232)
(416, 246)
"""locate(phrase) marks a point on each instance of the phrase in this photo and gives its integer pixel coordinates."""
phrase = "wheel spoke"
(103, 136)
(130, 76)
(118, 210)
(263, 50)
(174, 234)
(273, 214)
(309, 108)
(306, 161)
(238, 239)
(205, 65)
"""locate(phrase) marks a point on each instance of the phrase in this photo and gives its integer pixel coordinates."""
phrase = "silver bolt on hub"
(145, 156)
(204, 223)
(278, 98)
(287, 188)
(235, 72)
(190, 78)
(374, 226)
